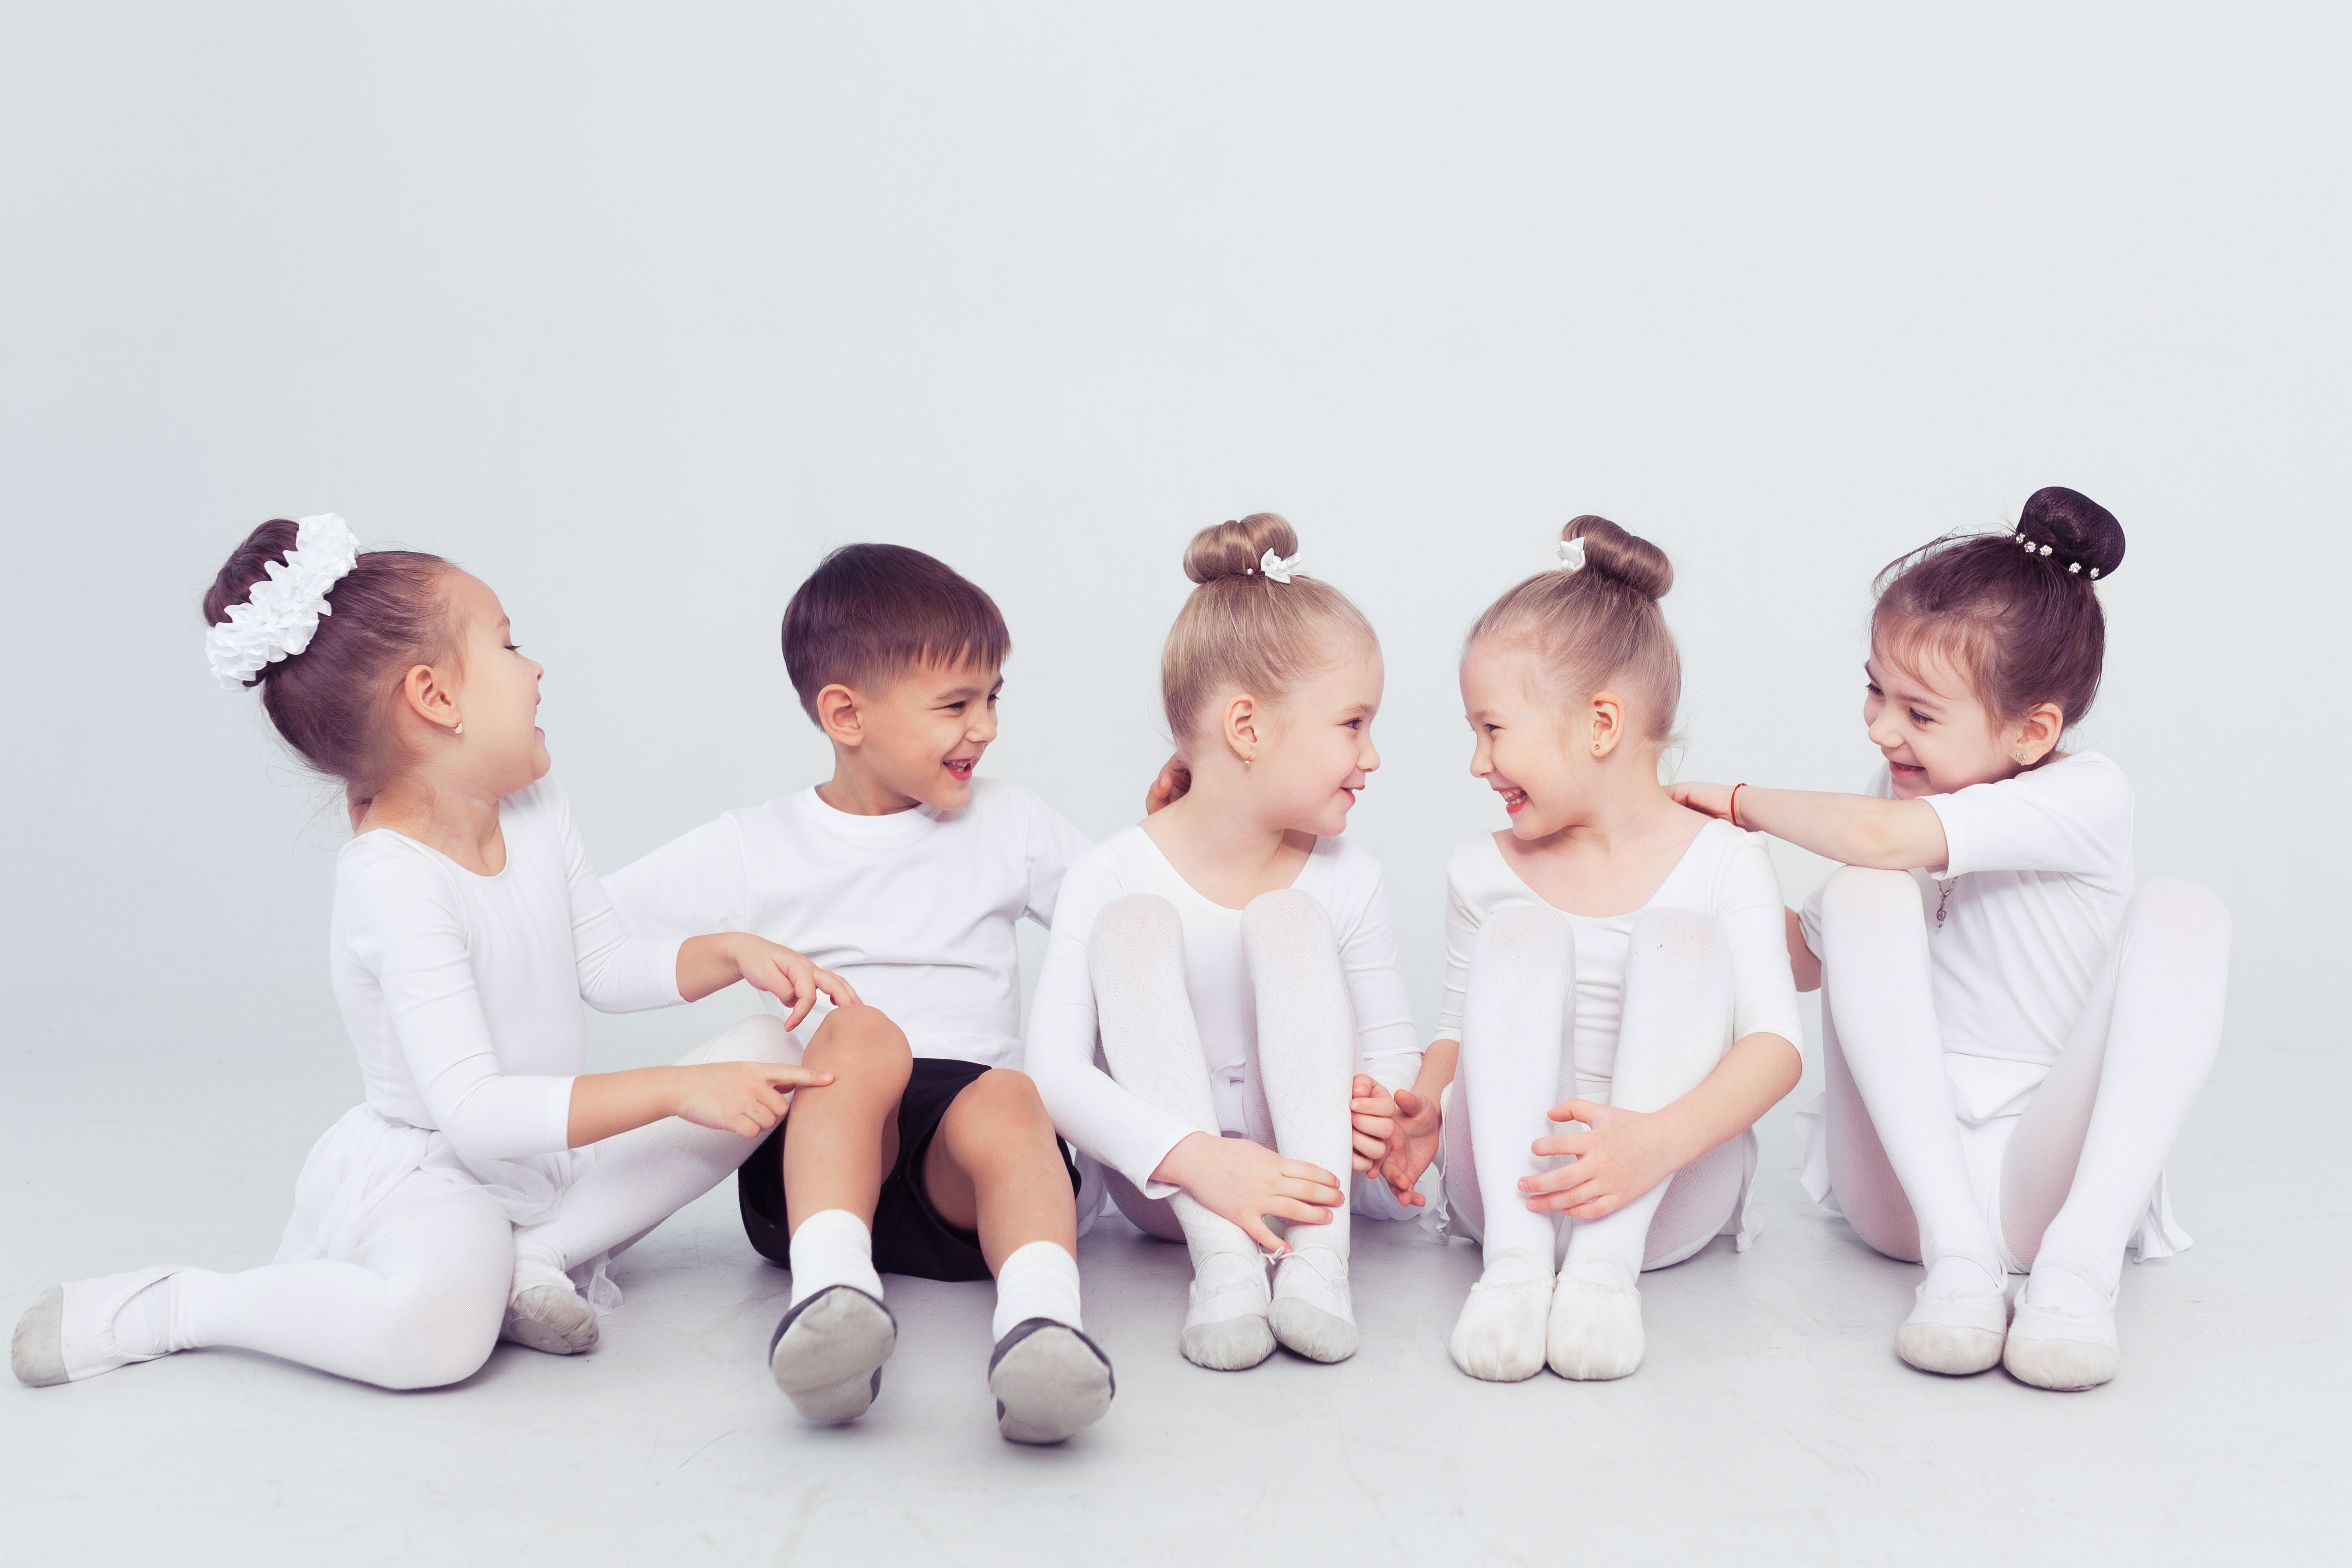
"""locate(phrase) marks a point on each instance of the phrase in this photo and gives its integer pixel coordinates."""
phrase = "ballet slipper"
(1957, 1332)
(67, 1334)
(1594, 1332)
(1312, 1313)
(1049, 1381)
(550, 1317)
(827, 1353)
(1225, 1326)
(1499, 1336)
(2054, 1349)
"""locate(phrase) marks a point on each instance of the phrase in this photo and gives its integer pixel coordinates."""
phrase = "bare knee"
(860, 1045)
(998, 1117)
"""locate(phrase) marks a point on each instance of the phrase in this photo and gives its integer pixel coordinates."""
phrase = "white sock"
(1039, 1280)
(833, 1246)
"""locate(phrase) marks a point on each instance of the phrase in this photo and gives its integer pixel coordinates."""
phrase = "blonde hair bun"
(1234, 549)
(1628, 557)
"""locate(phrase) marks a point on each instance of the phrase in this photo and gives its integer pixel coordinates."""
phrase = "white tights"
(1519, 1059)
(418, 1300)
(1301, 1071)
(2086, 1155)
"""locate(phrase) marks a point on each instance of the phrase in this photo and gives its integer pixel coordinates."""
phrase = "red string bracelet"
(1731, 812)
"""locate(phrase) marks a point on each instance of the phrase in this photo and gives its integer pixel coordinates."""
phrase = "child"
(1236, 959)
(2013, 1036)
(930, 1153)
(1609, 951)
(485, 1174)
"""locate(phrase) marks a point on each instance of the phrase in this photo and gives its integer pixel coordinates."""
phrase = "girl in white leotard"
(481, 1186)
(2014, 1031)
(1616, 988)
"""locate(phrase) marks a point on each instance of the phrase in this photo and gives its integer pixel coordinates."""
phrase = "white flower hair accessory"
(280, 616)
(1274, 568)
(1572, 554)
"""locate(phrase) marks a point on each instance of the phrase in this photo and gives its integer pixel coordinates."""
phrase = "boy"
(928, 1155)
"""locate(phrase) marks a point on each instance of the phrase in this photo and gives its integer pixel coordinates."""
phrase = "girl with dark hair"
(481, 1187)
(2013, 1030)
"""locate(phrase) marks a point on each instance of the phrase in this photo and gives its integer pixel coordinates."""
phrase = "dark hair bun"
(247, 565)
(1234, 549)
(1628, 557)
(2075, 527)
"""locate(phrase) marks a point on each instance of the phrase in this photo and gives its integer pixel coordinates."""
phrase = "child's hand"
(788, 976)
(1372, 1121)
(1175, 781)
(1412, 1144)
(1246, 1181)
(1710, 799)
(742, 1097)
(1625, 1155)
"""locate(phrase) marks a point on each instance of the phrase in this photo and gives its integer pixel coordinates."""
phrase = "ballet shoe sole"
(1947, 1351)
(1305, 1329)
(1049, 1382)
(36, 1352)
(1230, 1344)
(571, 1329)
(827, 1354)
(2062, 1366)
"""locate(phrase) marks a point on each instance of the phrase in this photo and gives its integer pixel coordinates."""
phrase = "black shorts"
(909, 1236)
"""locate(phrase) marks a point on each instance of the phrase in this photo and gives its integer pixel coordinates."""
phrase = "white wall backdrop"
(635, 311)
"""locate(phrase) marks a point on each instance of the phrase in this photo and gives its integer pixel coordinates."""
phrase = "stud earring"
(461, 728)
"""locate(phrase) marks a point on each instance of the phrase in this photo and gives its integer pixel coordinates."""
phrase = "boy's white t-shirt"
(916, 909)
(1126, 1132)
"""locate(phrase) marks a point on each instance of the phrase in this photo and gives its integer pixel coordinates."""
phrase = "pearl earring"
(460, 729)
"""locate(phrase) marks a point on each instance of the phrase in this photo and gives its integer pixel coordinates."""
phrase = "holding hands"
(1395, 1135)
(1621, 1155)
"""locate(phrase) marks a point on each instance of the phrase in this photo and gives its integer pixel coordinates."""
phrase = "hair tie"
(277, 619)
(1274, 567)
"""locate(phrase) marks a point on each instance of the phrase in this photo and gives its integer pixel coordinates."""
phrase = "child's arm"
(1407, 1122)
(1852, 829)
(1805, 965)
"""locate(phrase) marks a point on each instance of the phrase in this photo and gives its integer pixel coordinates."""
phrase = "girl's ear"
(2037, 735)
(1608, 711)
(837, 715)
(427, 694)
(1241, 728)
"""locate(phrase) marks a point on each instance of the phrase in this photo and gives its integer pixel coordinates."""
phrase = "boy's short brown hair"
(870, 612)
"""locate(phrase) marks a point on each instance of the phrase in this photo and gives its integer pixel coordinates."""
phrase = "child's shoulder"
(1475, 861)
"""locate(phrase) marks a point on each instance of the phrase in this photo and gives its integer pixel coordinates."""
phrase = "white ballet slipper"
(1312, 1313)
(1500, 1334)
(550, 1317)
(1594, 1332)
(1049, 1381)
(827, 1353)
(1957, 1332)
(1225, 1326)
(2068, 1351)
(67, 1334)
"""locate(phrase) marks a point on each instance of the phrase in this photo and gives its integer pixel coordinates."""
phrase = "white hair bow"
(1572, 554)
(280, 615)
(1274, 568)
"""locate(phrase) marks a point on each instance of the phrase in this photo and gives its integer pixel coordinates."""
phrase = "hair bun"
(1234, 549)
(247, 565)
(1627, 557)
(2076, 528)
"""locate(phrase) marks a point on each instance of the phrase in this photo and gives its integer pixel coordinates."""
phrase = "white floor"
(1771, 1424)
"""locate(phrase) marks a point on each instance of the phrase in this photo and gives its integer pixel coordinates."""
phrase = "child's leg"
(1306, 1065)
(995, 1167)
(1518, 1020)
(1679, 996)
(839, 1139)
(1877, 976)
(638, 1179)
(2087, 1153)
(1135, 961)
(1869, 1193)
(416, 1305)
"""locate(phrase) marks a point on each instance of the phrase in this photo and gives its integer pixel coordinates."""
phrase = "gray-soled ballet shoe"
(38, 1354)
(550, 1317)
(1049, 1381)
(1225, 1326)
(827, 1353)
(1312, 1313)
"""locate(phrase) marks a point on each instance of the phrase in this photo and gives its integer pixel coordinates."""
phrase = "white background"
(637, 311)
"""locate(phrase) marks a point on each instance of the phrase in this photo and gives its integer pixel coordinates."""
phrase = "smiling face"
(921, 734)
(496, 693)
(1313, 747)
(1935, 732)
(1530, 750)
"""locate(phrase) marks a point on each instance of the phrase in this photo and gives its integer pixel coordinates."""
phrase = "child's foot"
(1311, 1313)
(828, 1351)
(1594, 1332)
(1500, 1334)
(2064, 1337)
(1225, 1327)
(76, 1329)
(1049, 1381)
(1957, 1327)
(549, 1315)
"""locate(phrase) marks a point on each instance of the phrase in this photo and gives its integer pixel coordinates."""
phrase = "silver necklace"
(1943, 896)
